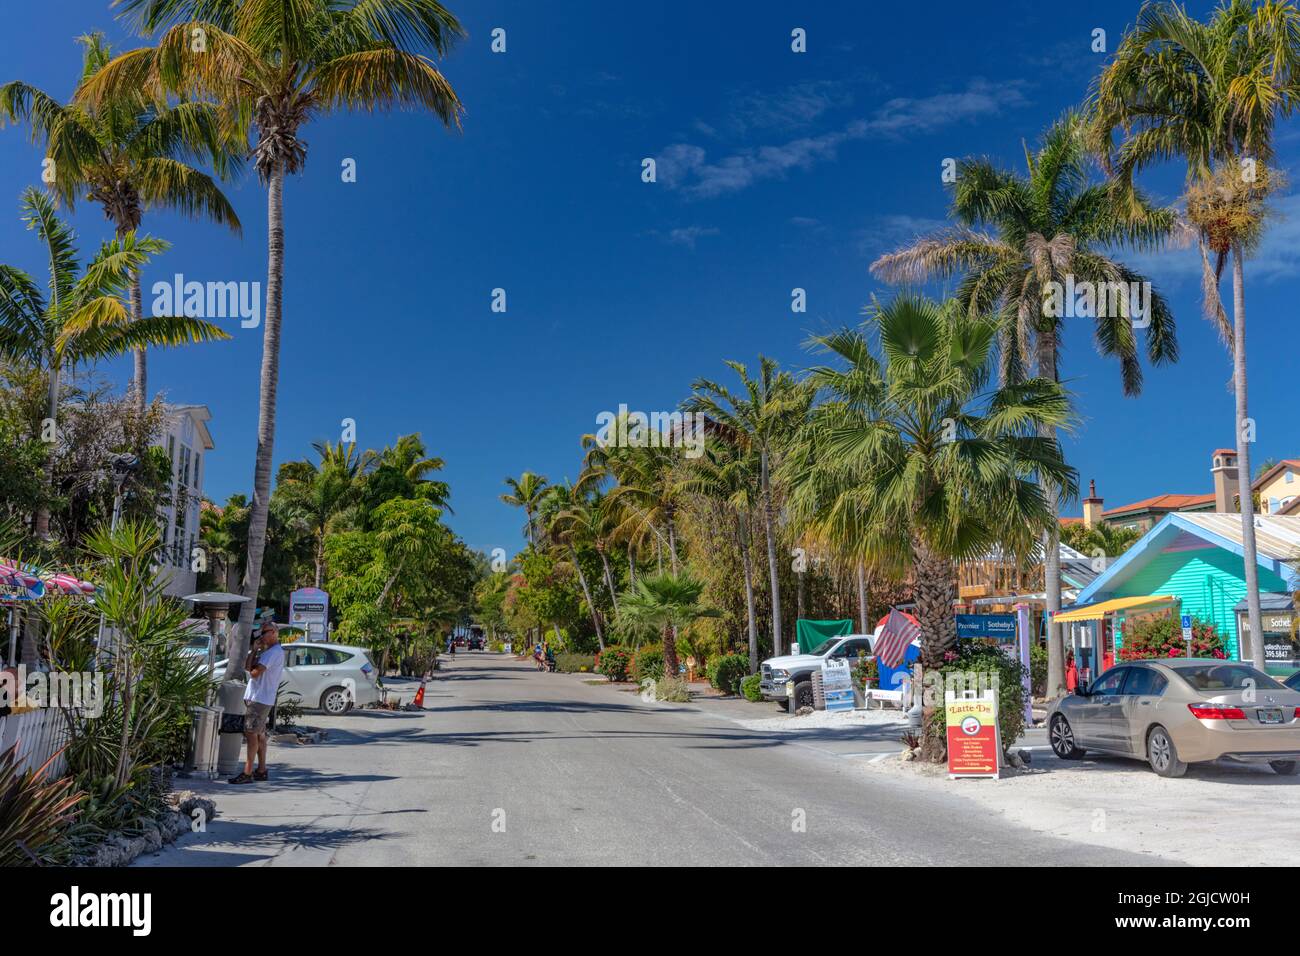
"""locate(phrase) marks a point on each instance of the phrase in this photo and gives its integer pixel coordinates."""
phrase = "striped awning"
(17, 582)
(1095, 612)
(67, 584)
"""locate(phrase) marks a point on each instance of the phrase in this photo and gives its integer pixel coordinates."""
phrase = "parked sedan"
(332, 677)
(1175, 711)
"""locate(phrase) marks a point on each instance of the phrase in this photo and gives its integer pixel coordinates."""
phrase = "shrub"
(649, 663)
(750, 689)
(673, 689)
(1038, 670)
(34, 812)
(985, 659)
(1163, 637)
(865, 669)
(568, 663)
(615, 662)
(726, 672)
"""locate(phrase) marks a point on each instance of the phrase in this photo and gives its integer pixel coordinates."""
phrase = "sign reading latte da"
(974, 747)
(309, 609)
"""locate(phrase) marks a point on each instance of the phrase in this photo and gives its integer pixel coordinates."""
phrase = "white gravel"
(1218, 814)
(826, 718)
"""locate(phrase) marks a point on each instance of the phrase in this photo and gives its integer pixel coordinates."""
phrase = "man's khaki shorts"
(255, 717)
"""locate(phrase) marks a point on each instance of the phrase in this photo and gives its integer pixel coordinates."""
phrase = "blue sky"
(776, 169)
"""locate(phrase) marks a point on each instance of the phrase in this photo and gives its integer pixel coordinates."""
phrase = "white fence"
(38, 733)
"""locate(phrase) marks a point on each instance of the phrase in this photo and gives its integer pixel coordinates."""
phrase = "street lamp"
(216, 606)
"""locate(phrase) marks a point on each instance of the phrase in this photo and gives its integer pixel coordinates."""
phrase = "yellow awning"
(1095, 612)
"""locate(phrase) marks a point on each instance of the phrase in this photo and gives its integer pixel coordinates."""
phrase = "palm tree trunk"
(936, 589)
(1244, 437)
(140, 376)
(670, 651)
(260, 509)
(631, 565)
(609, 579)
(799, 596)
(320, 558)
(863, 621)
(672, 542)
(41, 520)
(751, 608)
(769, 530)
(586, 591)
(1052, 539)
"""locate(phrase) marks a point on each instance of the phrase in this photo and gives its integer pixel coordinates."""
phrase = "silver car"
(1175, 711)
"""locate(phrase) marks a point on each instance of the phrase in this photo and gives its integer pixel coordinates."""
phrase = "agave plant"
(35, 812)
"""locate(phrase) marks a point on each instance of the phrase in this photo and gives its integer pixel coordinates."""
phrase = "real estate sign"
(837, 685)
(309, 609)
(1000, 627)
(974, 746)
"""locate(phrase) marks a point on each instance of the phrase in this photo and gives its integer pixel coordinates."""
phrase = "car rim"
(1062, 737)
(1159, 751)
(334, 702)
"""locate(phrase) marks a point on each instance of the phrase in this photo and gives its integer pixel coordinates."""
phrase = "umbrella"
(14, 577)
(67, 584)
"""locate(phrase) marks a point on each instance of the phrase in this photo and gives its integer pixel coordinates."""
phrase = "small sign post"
(1187, 632)
(974, 745)
(837, 685)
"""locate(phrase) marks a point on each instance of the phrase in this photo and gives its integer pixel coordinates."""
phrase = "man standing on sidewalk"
(265, 666)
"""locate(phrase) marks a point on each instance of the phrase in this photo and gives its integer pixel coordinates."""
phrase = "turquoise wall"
(1209, 581)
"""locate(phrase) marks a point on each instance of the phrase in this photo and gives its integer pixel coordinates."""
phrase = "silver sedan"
(1175, 711)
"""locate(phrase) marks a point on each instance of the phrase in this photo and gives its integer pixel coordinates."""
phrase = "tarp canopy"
(811, 633)
(1095, 612)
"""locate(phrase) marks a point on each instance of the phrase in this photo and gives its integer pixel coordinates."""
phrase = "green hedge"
(575, 663)
(649, 663)
(749, 687)
(726, 672)
(988, 661)
(615, 662)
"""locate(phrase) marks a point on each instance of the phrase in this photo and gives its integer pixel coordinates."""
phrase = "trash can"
(230, 697)
(202, 759)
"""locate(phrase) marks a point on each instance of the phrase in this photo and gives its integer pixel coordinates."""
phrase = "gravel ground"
(825, 718)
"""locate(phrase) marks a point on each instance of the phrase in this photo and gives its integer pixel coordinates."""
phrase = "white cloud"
(926, 114)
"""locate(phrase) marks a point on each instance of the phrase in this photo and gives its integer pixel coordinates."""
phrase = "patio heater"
(213, 753)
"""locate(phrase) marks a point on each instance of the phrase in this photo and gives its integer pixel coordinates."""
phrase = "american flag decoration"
(895, 637)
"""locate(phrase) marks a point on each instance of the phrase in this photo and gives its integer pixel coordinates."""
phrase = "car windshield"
(1226, 677)
(824, 647)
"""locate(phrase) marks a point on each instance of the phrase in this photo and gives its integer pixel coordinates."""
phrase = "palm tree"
(761, 419)
(317, 493)
(528, 491)
(727, 476)
(273, 66)
(1051, 231)
(1210, 94)
(128, 155)
(932, 467)
(573, 522)
(666, 602)
(84, 317)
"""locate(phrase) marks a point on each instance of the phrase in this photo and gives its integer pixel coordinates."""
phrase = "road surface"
(511, 766)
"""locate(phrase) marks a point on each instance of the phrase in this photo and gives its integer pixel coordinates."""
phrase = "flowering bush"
(1163, 637)
(614, 662)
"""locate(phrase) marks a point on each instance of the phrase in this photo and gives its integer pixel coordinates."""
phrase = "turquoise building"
(1192, 563)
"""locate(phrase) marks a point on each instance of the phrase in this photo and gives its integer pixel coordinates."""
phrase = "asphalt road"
(511, 766)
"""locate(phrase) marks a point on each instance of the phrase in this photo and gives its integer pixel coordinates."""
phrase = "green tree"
(933, 466)
(667, 603)
(528, 492)
(318, 493)
(271, 66)
(84, 317)
(128, 155)
(1050, 230)
(1210, 94)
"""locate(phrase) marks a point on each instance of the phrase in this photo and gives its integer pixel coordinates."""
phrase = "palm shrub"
(666, 602)
(928, 463)
(35, 812)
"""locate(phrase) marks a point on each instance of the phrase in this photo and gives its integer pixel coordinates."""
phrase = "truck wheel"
(803, 695)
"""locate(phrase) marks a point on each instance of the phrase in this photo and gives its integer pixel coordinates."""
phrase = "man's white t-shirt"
(263, 688)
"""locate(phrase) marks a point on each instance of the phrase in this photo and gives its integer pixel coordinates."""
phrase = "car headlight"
(780, 675)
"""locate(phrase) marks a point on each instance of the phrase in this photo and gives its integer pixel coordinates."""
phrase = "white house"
(186, 440)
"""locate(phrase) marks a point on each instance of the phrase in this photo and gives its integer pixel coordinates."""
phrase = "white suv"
(332, 677)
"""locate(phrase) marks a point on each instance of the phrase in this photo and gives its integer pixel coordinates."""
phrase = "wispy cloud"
(690, 169)
(686, 236)
(887, 233)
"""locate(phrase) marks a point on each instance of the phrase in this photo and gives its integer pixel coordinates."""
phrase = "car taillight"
(1210, 712)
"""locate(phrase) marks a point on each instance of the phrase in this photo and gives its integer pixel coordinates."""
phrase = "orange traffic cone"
(419, 696)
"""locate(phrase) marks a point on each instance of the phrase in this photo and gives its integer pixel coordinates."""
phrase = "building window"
(185, 466)
(197, 457)
(1290, 476)
(171, 450)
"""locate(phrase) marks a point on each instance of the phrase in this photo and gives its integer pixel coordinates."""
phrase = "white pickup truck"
(789, 678)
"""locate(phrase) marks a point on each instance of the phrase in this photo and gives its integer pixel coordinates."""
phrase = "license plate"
(1271, 716)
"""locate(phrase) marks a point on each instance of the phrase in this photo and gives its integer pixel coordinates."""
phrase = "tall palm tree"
(1050, 230)
(529, 492)
(727, 476)
(129, 155)
(771, 407)
(572, 522)
(271, 66)
(319, 492)
(1209, 94)
(666, 602)
(932, 465)
(84, 317)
